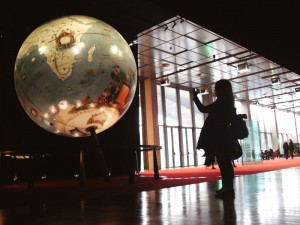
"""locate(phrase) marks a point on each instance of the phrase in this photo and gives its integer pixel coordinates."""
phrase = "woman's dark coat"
(215, 137)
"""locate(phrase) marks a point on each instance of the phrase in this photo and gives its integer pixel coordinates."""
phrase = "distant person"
(262, 154)
(285, 147)
(215, 138)
(271, 153)
(277, 154)
(253, 155)
(291, 148)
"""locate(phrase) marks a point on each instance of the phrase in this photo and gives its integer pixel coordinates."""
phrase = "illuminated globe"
(75, 73)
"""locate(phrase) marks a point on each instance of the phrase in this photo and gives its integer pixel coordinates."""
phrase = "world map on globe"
(74, 73)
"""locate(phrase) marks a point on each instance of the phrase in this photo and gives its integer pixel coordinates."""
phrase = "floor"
(269, 198)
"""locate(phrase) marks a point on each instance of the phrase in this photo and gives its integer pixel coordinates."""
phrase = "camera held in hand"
(197, 90)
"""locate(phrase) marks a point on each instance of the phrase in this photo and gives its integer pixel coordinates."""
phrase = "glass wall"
(276, 126)
(176, 127)
(286, 127)
(297, 118)
(266, 120)
(286, 124)
(180, 124)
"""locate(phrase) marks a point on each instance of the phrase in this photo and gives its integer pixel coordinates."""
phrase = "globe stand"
(95, 140)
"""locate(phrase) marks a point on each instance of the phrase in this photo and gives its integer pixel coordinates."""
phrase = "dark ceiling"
(268, 28)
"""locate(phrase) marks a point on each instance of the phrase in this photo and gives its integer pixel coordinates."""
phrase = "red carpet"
(185, 176)
(62, 190)
(241, 169)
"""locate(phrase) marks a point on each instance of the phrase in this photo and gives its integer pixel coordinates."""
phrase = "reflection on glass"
(163, 150)
(184, 147)
(185, 107)
(190, 148)
(177, 153)
(159, 106)
(170, 148)
(171, 106)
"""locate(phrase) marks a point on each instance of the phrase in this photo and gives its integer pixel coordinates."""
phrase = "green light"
(208, 50)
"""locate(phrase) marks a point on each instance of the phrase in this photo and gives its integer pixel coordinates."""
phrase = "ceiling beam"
(201, 64)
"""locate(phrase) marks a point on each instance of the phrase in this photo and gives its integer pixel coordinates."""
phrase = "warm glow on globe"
(74, 73)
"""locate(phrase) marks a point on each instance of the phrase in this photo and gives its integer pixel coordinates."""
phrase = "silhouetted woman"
(215, 138)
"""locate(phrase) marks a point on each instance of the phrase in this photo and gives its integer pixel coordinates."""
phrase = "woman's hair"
(223, 90)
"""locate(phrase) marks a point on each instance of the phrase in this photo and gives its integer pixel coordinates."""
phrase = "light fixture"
(134, 42)
(243, 67)
(297, 89)
(165, 82)
(174, 24)
(164, 64)
(275, 80)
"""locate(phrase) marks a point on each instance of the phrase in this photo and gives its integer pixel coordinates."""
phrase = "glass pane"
(298, 125)
(253, 111)
(269, 119)
(170, 148)
(238, 107)
(184, 150)
(269, 141)
(265, 117)
(185, 106)
(171, 106)
(159, 106)
(190, 148)
(199, 117)
(280, 139)
(162, 144)
(263, 144)
(198, 131)
(176, 149)
(286, 123)
(200, 152)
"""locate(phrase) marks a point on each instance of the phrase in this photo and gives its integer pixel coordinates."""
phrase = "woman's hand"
(195, 92)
